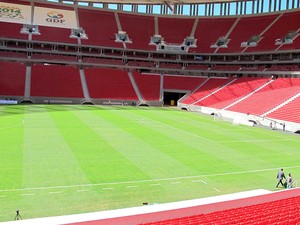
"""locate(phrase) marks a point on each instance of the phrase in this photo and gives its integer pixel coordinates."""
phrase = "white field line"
(154, 184)
(255, 141)
(216, 189)
(199, 181)
(83, 190)
(55, 192)
(132, 186)
(29, 194)
(146, 181)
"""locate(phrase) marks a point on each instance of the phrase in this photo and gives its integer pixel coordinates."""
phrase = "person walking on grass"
(280, 177)
(289, 181)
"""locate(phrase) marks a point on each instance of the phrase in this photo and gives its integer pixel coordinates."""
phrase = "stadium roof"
(156, 1)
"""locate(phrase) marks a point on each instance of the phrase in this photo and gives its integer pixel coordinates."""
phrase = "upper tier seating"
(175, 30)
(206, 89)
(55, 81)
(279, 212)
(54, 34)
(276, 92)
(140, 40)
(209, 31)
(11, 30)
(99, 33)
(246, 28)
(149, 85)
(294, 45)
(109, 84)
(231, 93)
(279, 29)
(12, 79)
(181, 82)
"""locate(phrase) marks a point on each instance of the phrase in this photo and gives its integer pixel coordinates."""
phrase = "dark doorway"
(171, 98)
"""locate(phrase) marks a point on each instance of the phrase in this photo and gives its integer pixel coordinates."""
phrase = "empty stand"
(109, 84)
(182, 82)
(149, 85)
(288, 112)
(206, 89)
(246, 28)
(209, 31)
(279, 29)
(54, 34)
(280, 212)
(53, 57)
(11, 30)
(100, 26)
(227, 95)
(275, 93)
(140, 37)
(294, 45)
(103, 61)
(55, 81)
(176, 66)
(17, 55)
(197, 67)
(12, 79)
(175, 30)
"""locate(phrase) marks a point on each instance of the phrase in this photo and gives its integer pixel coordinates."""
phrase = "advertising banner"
(54, 18)
(14, 13)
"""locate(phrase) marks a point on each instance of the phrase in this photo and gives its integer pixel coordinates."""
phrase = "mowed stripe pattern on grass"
(65, 159)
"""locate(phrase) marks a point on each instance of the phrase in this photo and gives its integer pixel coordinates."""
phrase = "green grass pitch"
(67, 159)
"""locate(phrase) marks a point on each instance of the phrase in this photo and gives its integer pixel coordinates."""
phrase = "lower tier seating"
(12, 79)
(288, 112)
(55, 81)
(149, 85)
(268, 97)
(109, 84)
(280, 212)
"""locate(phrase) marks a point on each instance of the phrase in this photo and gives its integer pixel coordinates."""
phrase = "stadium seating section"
(101, 34)
(169, 29)
(207, 88)
(110, 84)
(55, 81)
(140, 40)
(149, 85)
(288, 112)
(237, 30)
(280, 212)
(12, 78)
(276, 92)
(181, 82)
(232, 92)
